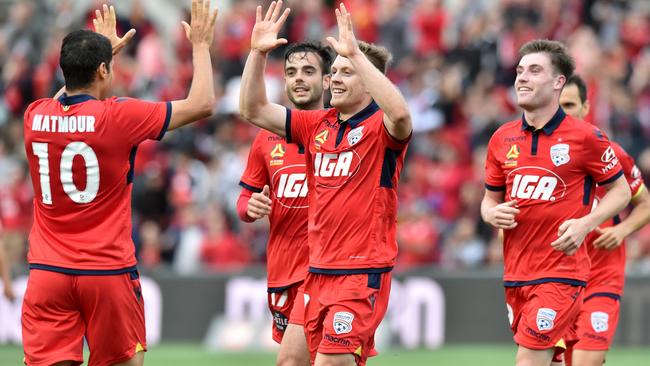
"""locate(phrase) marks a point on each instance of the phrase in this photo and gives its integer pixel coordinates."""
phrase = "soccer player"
(278, 167)
(541, 172)
(598, 317)
(354, 153)
(81, 147)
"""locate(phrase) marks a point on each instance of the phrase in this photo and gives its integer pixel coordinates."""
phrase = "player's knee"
(292, 358)
(335, 360)
(136, 360)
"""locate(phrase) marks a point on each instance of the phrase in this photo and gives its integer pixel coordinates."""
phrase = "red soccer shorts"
(286, 307)
(543, 316)
(342, 313)
(597, 323)
(60, 309)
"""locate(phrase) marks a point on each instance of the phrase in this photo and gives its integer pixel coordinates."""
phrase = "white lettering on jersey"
(292, 185)
(63, 124)
(332, 164)
(533, 187)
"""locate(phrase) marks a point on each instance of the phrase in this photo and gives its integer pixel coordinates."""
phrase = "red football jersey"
(608, 266)
(552, 174)
(80, 152)
(281, 166)
(353, 168)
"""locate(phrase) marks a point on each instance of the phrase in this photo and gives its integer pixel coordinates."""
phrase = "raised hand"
(347, 44)
(200, 31)
(106, 25)
(265, 33)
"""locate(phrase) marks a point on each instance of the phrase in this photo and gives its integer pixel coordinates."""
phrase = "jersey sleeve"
(600, 160)
(392, 142)
(630, 170)
(495, 179)
(141, 120)
(301, 123)
(255, 176)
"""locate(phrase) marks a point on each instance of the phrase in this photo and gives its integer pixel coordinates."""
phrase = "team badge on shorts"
(545, 318)
(343, 322)
(355, 135)
(560, 154)
(599, 321)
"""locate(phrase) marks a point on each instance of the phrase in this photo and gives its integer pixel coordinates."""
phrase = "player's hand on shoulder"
(259, 205)
(571, 235)
(502, 216)
(610, 238)
(200, 31)
(264, 37)
(106, 24)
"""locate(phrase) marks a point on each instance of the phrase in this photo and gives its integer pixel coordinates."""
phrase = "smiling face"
(537, 83)
(304, 80)
(348, 92)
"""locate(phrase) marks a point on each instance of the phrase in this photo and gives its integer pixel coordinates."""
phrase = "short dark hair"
(378, 55)
(576, 80)
(557, 52)
(82, 52)
(323, 52)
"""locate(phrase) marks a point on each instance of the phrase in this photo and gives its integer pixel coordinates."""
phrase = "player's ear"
(327, 78)
(560, 80)
(103, 71)
(585, 107)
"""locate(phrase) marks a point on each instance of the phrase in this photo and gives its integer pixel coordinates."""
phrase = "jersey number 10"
(71, 150)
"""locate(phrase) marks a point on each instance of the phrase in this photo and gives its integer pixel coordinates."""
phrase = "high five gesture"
(265, 33)
(347, 44)
(200, 31)
(106, 25)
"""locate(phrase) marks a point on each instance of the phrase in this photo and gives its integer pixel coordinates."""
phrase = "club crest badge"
(599, 321)
(560, 154)
(545, 318)
(343, 322)
(355, 135)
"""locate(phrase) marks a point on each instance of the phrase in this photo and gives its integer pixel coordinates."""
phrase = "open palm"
(106, 25)
(264, 37)
(347, 44)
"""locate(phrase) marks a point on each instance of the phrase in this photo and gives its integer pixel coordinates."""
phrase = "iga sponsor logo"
(545, 318)
(332, 170)
(343, 322)
(536, 183)
(290, 185)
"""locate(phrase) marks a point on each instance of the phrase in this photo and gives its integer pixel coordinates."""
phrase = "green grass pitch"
(485, 355)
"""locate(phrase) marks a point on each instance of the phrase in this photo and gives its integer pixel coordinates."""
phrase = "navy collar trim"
(550, 126)
(66, 99)
(362, 115)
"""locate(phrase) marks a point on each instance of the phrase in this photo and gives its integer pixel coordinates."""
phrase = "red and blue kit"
(80, 152)
(552, 173)
(274, 162)
(353, 168)
(599, 315)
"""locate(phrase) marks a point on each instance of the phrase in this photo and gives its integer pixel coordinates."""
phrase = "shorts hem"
(538, 347)
(125, 357)
(587, 348)
(56, 359)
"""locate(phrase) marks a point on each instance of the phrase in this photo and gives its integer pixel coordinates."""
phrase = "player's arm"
(254, 105)
(573, 232)
(397, 118)
(613, 236)
(253, 206)
(498, 213)
(200, 99)
(106, 24)
(5, 273)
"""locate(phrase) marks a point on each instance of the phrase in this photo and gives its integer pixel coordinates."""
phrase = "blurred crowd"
(454, 60)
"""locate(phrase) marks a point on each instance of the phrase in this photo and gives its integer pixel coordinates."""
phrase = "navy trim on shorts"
(611, 295)
(495, 188)
(83, 272)
(374, 280)
(287, 126)
(567, 281)
(250, 187)
(272, 290)
(351, 271)
(610, 180)
(168, 117)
